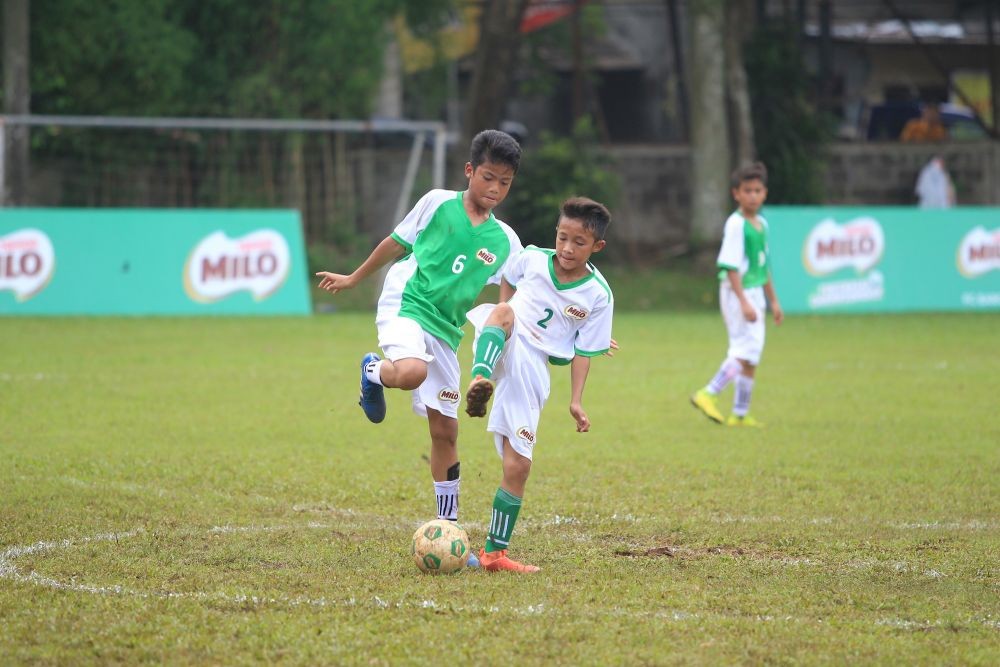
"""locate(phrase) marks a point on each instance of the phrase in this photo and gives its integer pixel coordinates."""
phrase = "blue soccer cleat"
(473, 560)
(372, 399)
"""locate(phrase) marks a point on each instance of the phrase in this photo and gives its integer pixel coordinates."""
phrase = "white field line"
(36, 377)
(637, 551)
(9, 570)
(128, 487)
(137, 489)
(325, 509)
(965, 524)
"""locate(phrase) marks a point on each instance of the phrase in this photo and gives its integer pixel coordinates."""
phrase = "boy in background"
(445, 251)
(561, 313)
(745, 275)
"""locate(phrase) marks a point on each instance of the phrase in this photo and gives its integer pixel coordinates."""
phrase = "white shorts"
(746, 339)
(522, 387)
(403, 338)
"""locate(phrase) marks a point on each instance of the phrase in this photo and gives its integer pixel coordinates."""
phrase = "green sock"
(506, 507)
(488, 349)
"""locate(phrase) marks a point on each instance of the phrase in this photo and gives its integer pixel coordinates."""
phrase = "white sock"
(741, 399)
(373, 371)
(729, 369)
(447, 499)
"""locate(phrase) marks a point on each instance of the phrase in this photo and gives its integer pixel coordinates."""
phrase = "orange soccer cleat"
(497, 561)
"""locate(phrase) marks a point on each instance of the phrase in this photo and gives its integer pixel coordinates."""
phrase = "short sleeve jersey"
(562, 319)
(447, 263)
(744, 249)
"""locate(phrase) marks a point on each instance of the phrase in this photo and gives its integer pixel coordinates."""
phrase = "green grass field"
(207, 491)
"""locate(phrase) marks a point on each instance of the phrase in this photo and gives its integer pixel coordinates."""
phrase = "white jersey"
(561, 319)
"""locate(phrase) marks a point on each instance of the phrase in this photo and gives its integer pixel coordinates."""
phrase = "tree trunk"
(737, 21)
(389, 97)
(17, 99)
(494, 63)
(709, 128)
(679, 71)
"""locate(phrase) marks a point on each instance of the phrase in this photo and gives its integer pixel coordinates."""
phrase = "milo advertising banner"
(875, 259)
(151, 262)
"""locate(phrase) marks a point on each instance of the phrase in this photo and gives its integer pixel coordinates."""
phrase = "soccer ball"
(440, 547)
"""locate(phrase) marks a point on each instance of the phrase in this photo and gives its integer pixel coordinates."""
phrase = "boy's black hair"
(496, 147)
(754, 171)
(594, 215)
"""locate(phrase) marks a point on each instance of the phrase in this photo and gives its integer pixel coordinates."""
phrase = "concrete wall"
(656, 183)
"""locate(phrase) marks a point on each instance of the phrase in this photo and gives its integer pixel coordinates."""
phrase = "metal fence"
(344, 176)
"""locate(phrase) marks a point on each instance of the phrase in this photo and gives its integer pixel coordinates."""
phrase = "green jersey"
(744, 249)
(447, 263)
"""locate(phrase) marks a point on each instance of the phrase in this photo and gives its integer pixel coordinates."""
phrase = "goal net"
(344, 177)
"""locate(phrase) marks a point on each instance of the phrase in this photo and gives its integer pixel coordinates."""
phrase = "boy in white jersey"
(745, 275)
(561, 313)
(445, 251)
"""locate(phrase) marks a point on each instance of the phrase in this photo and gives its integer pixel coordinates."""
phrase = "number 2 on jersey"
(548, 316)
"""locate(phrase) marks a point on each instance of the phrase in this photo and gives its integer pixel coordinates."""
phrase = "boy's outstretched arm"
(579, 368)
(772, 298)
(386, 251)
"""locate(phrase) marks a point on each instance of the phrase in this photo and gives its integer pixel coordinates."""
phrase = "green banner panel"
(885, 259)
(152, 262)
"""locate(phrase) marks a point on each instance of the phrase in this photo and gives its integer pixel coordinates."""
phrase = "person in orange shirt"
(926, 128)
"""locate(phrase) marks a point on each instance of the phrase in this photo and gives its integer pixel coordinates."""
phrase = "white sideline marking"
(326, 509)
(8, 377)
(968, 524)
(129, 487)
(8, 570)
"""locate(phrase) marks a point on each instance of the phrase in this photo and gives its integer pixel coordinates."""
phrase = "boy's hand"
(749, 314)
(334, 282)
(614, 347)
(582, 420)
(777, 312)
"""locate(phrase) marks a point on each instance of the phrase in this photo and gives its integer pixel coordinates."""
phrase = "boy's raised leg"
(372, 399)
(489, 346)
(477, 396)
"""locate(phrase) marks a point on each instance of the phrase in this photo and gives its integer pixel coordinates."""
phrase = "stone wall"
(654, 211)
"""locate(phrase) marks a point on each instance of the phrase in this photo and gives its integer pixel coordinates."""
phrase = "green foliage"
(791, 135)
(224, 501)
(554, 43)
(113, 58)
(560, 167)
(297, 58)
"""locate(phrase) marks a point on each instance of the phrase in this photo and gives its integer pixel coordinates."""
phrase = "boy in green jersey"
(745, 275)
(445, 251)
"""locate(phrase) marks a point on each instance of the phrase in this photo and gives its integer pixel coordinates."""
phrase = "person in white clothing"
(745, 289)
(934, 187)
(560, 313)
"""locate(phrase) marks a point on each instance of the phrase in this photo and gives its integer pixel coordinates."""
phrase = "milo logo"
(449, 395)
(979, 252)
(576, 312)
(486, 257)
(831, 247)
(526, 434)
(27, 262)
(219, 266)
